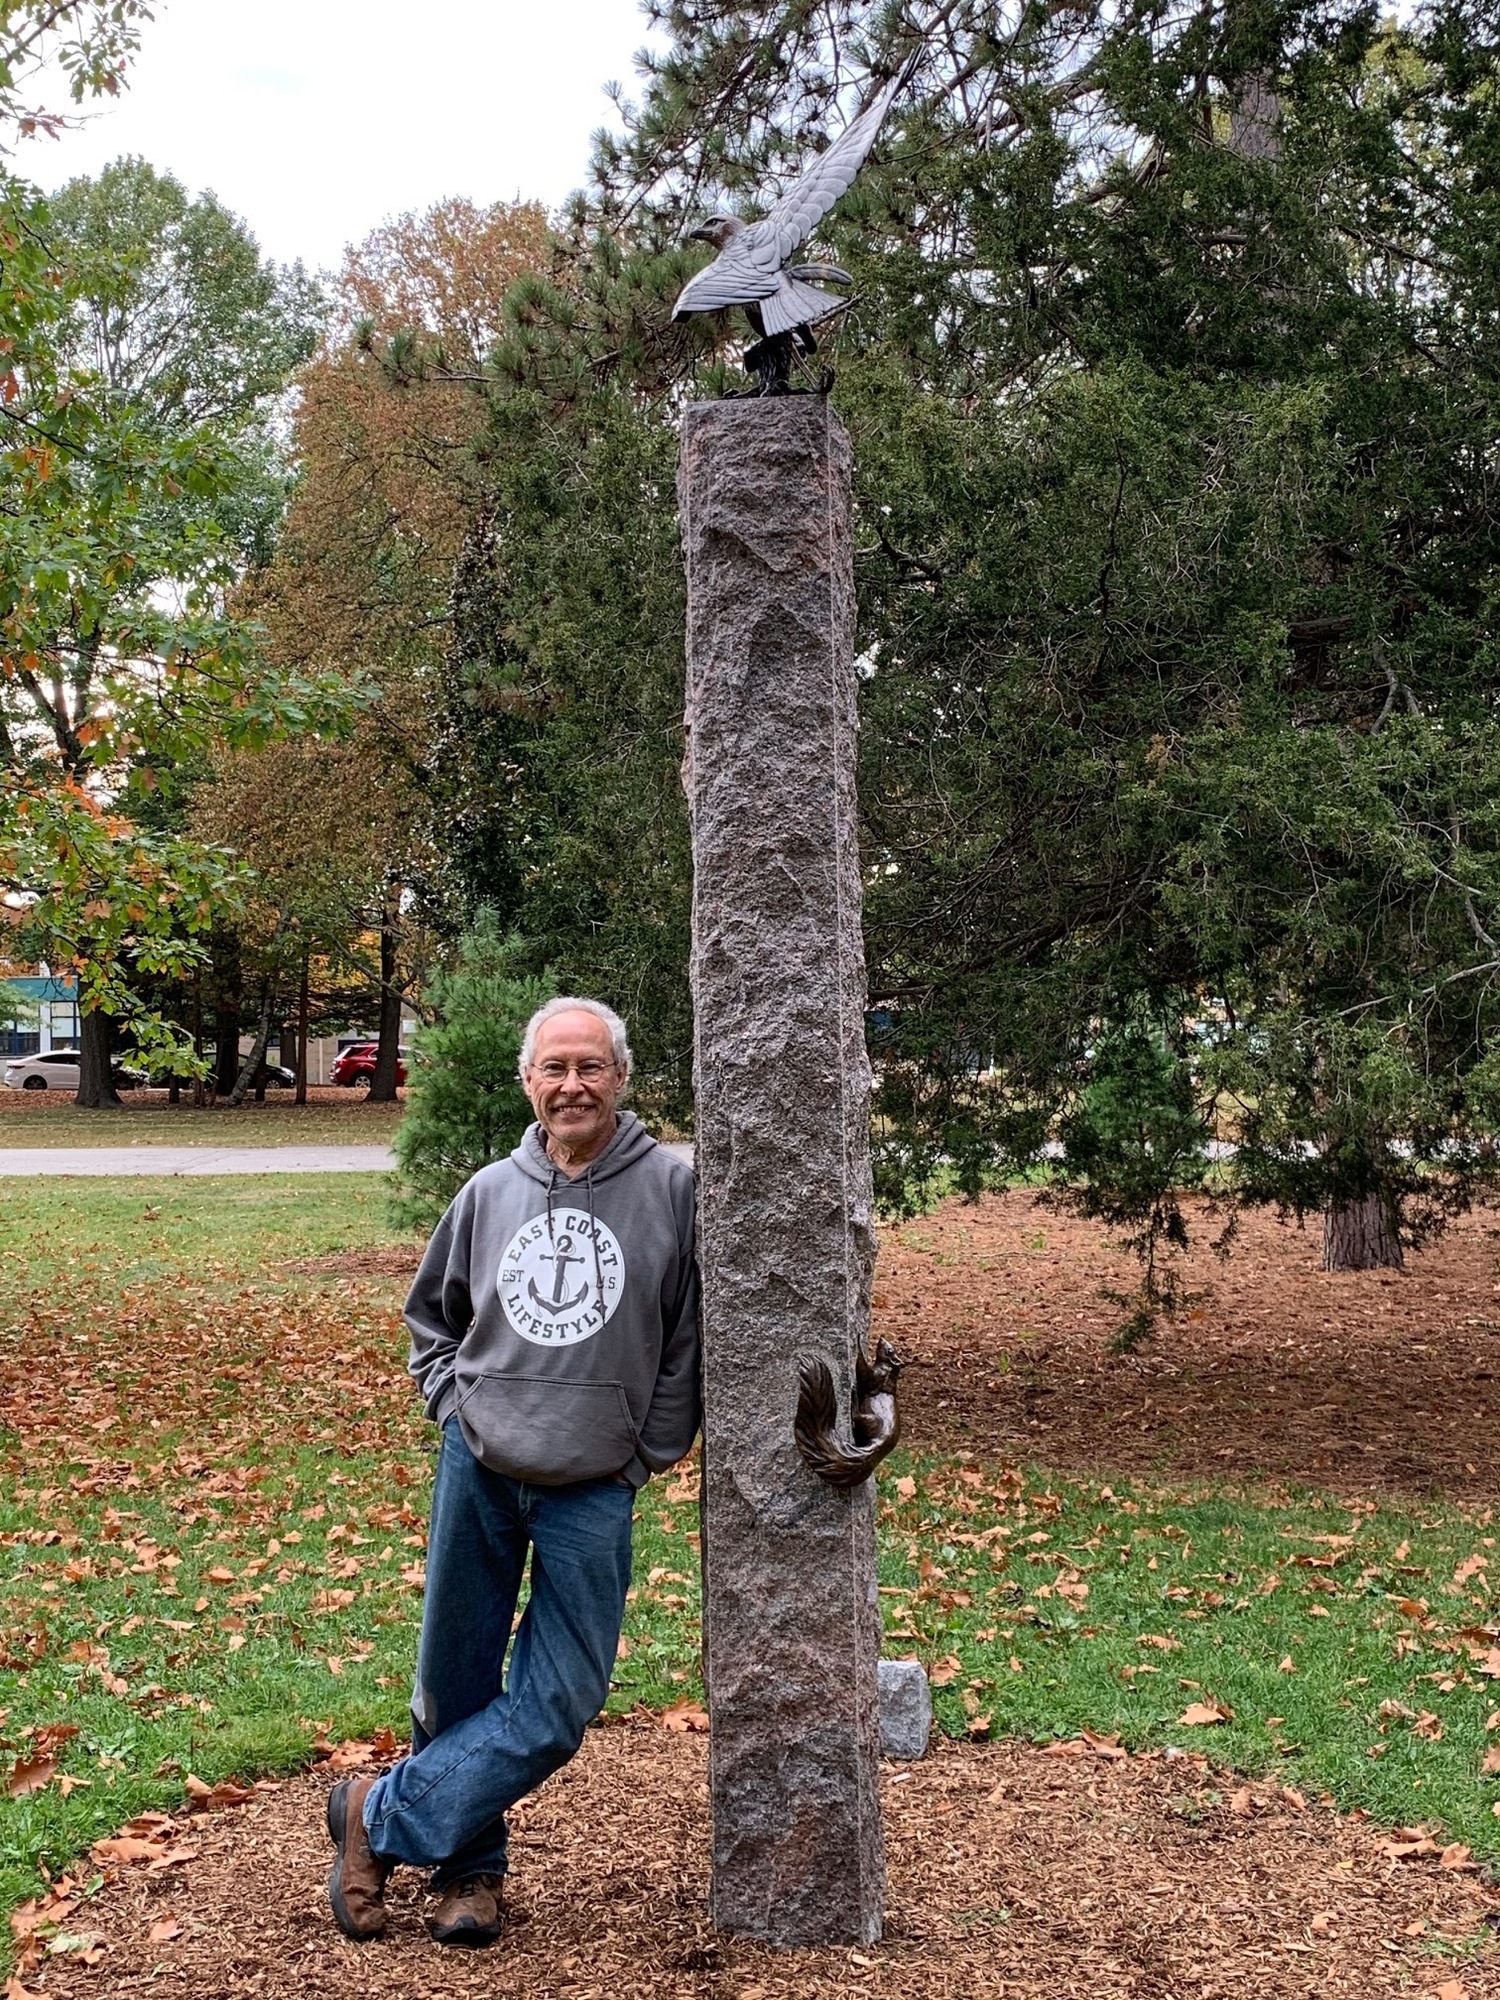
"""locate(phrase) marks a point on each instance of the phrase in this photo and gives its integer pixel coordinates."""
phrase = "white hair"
(571, 1004)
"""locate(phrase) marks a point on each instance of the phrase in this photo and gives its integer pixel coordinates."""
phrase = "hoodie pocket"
(548, 1431)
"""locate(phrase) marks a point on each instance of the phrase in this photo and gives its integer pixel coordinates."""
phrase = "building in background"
(46, 1016)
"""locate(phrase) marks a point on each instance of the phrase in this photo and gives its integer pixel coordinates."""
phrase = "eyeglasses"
(586, 1072)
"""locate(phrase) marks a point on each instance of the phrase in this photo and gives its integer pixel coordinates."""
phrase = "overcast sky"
(315, 120)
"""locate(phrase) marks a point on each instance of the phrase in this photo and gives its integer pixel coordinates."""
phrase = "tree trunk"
(200, 1091)
(383, 1082)
(229, 990)
(96, 1085)
(302, 1032)
(257, 1055)
(1255, 120)
(1362, 1235)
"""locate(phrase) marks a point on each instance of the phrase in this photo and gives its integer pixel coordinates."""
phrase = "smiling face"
(577, 1112)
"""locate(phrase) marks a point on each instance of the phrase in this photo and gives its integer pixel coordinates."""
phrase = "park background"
(342, 690)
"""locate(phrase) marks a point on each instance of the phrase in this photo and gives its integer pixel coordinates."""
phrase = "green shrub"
(465, 1104)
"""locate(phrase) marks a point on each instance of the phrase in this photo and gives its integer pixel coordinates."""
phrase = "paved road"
(210, 1159)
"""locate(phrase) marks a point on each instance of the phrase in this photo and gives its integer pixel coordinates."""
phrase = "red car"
(356, 1064)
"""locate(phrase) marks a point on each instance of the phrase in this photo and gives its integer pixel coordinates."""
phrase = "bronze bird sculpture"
(876, 1424)
(783, 301)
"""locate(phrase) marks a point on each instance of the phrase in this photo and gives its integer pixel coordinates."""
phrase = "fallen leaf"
(1202, 1714)
(125, 1847)
(30, 1775)
(164, 1931)
(173, 1858)
(82, 1945)
(946, 1670)
(1491, 1765)
(349, 1755)
(1456, 1856)
(686, 1718)
(1411, 1846)
(214, 1798)
(1106, 1746)
(906, 1488)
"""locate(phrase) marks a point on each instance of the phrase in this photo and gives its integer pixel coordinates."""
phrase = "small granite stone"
(905, 1709)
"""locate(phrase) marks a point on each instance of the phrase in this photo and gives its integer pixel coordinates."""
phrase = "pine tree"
(465, 1105)
(1173, 380)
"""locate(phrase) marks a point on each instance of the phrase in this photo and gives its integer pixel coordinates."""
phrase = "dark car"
(270, 1076)
(356, 1064)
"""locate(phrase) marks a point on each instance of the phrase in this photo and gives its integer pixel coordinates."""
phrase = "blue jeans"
(483, 1738)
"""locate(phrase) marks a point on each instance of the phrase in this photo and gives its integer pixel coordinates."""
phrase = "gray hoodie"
(558, 1319)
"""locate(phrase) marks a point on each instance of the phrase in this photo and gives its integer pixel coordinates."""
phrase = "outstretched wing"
(748, 269)
(808, 200)
(732, 279)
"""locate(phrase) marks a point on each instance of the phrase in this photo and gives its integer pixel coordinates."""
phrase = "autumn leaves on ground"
(1212, 1630)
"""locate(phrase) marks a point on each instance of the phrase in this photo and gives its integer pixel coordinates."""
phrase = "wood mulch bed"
(1013, 1872)
(1355, 1382)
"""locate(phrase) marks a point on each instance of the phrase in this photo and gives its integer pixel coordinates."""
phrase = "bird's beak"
(699, 236)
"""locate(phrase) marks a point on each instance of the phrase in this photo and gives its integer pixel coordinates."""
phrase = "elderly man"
(554, 1335)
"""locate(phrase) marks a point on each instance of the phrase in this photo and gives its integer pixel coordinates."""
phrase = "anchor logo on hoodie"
(561, 1278)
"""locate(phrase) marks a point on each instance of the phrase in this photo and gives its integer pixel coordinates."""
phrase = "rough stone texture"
(791, 1613)
(905, 1709)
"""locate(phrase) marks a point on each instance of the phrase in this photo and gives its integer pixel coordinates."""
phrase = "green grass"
(226, 1629)
(146, 1119)
(112, 1232)
(210, 1550)
(1348, 1645)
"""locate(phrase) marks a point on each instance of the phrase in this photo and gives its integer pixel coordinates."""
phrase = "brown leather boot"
(356, 1884)
(469, 1912)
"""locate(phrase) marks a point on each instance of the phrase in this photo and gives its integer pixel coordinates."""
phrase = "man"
(554, 1335)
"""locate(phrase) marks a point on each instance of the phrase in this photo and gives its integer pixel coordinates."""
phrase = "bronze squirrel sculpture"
(875, 1422)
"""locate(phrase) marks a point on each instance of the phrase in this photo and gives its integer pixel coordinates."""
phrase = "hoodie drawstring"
(588, 1182)
(588, 1188)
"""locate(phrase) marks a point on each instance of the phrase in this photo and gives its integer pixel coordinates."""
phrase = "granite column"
(792, 1623)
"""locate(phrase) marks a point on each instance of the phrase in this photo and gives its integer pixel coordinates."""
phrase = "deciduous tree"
(144, 341)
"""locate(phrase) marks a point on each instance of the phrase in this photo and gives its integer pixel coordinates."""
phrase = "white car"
(57, 1069)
